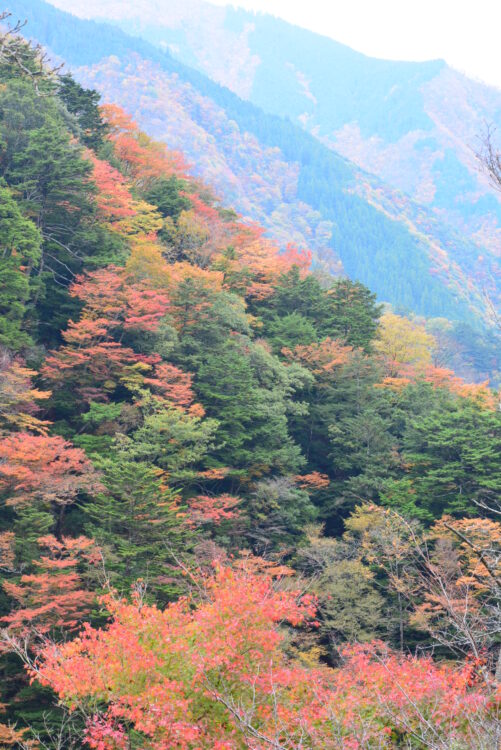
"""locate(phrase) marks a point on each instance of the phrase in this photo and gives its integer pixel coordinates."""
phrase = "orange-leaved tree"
(102, 351)
(43, 469)
(210, 671)
(18, 396)
(142, 159)
(54, 596)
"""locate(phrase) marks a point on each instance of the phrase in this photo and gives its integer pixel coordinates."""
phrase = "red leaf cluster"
(38, 468)
(54, 597)
(212, 673)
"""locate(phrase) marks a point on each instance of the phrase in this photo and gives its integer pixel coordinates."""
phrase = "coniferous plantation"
(242, 504)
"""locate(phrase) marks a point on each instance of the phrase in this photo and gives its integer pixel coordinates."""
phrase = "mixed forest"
(242, 504)
(294, 183)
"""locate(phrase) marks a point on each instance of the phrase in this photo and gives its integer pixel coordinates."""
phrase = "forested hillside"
(276, 174)
(240, 505)
(415, 125)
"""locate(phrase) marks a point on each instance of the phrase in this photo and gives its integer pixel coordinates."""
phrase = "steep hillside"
(274, 172)
(413, 124)
(218, 473)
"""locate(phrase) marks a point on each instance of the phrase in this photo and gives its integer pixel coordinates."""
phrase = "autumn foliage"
(54, 596)
(94, 358)
(194, 398)
(18, 397)
(206, 509)
(142, 158)
(216, 676)
(43, 469)
(321, 358)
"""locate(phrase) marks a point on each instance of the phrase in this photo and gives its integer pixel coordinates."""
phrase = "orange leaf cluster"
(18, 398)
(313, 481)
(113, 198)
(54, 597)
(7, 555)
(94, 358)
(143, 160)
(256, 262)
(441, 377)
(205, 509)
(322, 358)
(212, 674)
(11, 737)
(38, 468)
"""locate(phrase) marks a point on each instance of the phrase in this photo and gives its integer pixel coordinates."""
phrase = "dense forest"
(287, 180)
(241, 504)
(406, 122)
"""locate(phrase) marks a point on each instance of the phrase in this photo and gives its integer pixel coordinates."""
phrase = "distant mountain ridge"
(412, 124)
(274, 172)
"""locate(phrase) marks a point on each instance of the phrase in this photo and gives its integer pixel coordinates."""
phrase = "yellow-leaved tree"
(403, 344)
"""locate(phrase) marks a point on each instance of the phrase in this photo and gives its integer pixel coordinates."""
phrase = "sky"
(466, 33)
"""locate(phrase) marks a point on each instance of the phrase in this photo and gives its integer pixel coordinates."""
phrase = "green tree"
(41, 162)
(346, 434)
(350, 606)
(174, 441)
(83, 104)
(240, 383)
(294, 294)
(168, 194)
(205, 319)
(278, 513)
(19, 255)
(290, 331)
(452, 454)
(138, 524)
(49, 177)
(249, 392)
(346, 310)
(353, 314)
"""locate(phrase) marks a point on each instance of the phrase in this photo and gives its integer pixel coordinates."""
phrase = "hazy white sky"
(466, 33)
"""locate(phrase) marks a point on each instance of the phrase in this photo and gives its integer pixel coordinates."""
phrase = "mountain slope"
(185, 413)
(272, 171)
(413, 124)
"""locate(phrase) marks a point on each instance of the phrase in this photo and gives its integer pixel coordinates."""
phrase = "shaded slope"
(373, 244)
(413, 124)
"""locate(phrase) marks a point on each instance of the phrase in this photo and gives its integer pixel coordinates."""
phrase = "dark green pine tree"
(239, 383)
(84, 105)
(168, 195)
(353, 314)
(291, 330)
(19, 255)
(249, 392)
(346, 434)
(346, 311)
(453, 457)
(46, 171)
(205, 318)
(293, 295)
(139, 525)
(50, 175)
(45, 166)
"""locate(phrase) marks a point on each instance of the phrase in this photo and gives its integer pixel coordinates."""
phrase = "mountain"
(236, 496)
(267, 166)
(415, 125)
